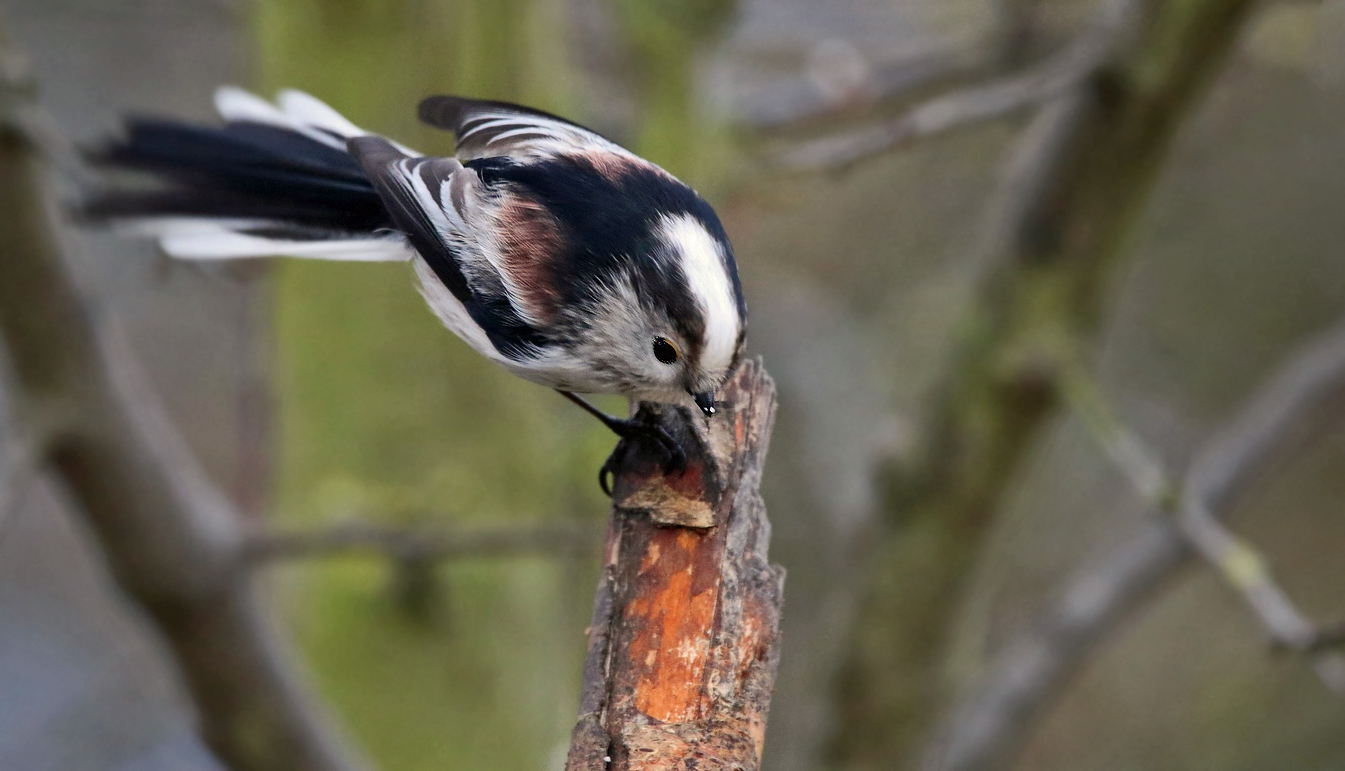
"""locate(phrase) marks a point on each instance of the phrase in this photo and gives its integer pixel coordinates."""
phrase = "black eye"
(664, 351)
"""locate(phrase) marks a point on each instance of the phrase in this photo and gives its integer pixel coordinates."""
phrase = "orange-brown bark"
(685, 635)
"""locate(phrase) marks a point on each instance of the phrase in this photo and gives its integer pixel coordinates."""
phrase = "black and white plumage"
(546, 247)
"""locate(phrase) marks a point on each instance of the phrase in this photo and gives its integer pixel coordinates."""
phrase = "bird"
(546, 247)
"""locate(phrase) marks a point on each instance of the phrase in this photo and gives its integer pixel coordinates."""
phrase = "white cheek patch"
(711, 286)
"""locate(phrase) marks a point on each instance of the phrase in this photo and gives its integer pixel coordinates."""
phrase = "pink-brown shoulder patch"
(531, 242)
(613, 166)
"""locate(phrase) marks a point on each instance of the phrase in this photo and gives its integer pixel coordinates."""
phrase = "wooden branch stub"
(685, 635)
(685, 497)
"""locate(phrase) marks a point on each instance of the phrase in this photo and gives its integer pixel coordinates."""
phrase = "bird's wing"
(447, 216)
(490, 129)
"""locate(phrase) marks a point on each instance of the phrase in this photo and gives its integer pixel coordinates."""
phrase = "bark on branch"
(171, 540)
(685, 634)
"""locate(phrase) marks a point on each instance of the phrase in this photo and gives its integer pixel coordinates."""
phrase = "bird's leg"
(628, 429)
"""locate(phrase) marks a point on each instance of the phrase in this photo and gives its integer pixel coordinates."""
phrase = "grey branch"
(1093, 49)
(993, 720)
(1246, 570)
(1237, 561)
(172, 542)
(808, 103)
(1079, 179)
(408, 543)
(18, 474)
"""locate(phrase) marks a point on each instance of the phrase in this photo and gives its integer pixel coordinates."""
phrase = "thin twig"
(1239, 563)
(1142, 467)
(1247, 571)
(808, 103)
(994, 719)
(1109, 33)
(401, 542)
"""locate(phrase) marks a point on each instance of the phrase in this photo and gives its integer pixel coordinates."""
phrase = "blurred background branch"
(1106, 37)
(995, 716)
(15, 478)
(402, 542)
(171, 540)
(882, 85)
(1039, 301)
(1287, 404)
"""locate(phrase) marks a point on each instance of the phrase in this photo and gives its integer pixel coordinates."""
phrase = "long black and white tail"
(276, 179)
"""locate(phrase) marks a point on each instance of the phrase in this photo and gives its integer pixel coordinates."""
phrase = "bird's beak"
(706, 401)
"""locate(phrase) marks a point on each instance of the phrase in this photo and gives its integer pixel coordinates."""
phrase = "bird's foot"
(643, 428)
(674, 456)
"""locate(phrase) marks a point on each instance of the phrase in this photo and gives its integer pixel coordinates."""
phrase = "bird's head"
(670, 324)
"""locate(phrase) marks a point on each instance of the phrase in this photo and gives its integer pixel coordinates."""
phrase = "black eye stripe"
(664, 351)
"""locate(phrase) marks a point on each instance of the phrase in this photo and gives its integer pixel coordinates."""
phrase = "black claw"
(630, 430)
(607, 473)
(675, 458)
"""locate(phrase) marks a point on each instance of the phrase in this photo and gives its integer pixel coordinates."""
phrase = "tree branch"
(14, 481)
(993, 721)
(1094, 48)
(1246, 570)
(810, 104)
(172, 542)
(685, 634)
(1079, 180)
(1330, 636)
(402, 543)
(1236, 560)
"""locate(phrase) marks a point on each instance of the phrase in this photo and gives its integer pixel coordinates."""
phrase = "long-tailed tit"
(547, 248)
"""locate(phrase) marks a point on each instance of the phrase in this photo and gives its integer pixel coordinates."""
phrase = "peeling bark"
(685, 635)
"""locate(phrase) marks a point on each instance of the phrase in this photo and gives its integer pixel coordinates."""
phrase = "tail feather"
(271, 181)
(238, 106)
(306, 110)
(225, 242)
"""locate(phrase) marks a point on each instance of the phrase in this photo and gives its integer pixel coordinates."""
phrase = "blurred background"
(321, 393)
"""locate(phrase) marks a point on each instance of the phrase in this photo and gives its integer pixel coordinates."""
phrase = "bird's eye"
(664, 350)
